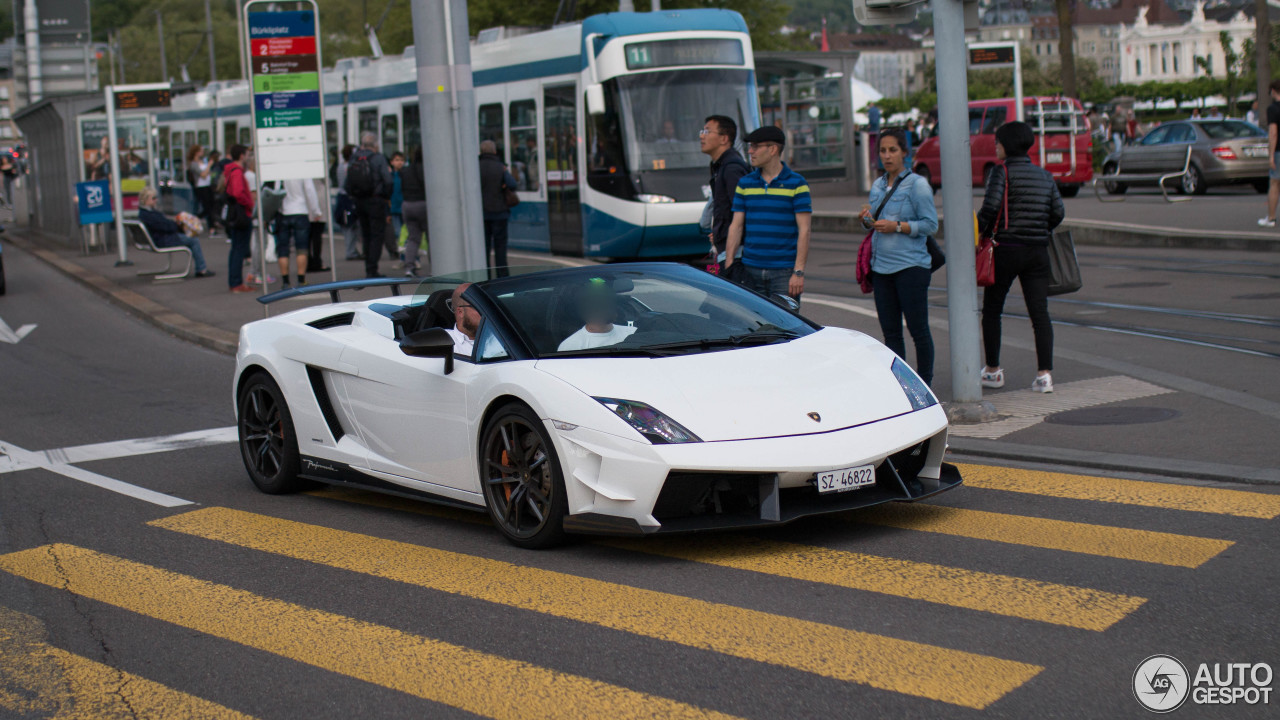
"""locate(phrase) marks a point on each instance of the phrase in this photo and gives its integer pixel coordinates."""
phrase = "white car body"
(770, 418)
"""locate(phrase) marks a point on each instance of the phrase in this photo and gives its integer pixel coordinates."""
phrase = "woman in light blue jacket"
(900, 262)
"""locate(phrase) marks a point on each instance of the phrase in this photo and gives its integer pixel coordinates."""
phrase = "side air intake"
(316, 377)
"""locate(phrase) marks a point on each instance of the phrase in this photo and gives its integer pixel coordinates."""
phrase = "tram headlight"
(646, 198)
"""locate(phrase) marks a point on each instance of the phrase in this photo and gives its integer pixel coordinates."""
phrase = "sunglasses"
(460, 306)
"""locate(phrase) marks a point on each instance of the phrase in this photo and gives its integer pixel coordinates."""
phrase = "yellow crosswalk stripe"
(1114, 542)
(912, 668)
(1068, 605)
(1000, 594)
(474, 681)
(1168, 496)
(39, 680)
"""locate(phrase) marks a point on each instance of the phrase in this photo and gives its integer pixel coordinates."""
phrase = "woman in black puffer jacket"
(1022, 250)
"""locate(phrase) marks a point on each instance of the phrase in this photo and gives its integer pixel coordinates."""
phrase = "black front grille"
(694, 494)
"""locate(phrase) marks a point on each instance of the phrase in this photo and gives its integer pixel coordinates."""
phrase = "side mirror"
(595, 99)
(432, 342)
(786, 302)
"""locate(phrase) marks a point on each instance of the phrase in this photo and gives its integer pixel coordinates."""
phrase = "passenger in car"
(597, 305)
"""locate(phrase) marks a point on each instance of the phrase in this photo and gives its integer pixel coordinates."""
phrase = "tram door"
(564, 207)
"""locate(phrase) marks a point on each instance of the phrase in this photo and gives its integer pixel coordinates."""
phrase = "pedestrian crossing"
(477, 680)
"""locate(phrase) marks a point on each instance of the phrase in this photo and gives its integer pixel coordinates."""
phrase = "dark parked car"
(1223, 152)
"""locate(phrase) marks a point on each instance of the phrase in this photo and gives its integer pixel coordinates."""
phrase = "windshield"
(641, 309)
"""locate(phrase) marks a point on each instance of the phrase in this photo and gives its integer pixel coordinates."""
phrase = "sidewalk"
(203, 311)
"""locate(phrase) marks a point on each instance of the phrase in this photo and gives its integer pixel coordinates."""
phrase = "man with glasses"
(727, 168)
(771, 214)
(466, 323)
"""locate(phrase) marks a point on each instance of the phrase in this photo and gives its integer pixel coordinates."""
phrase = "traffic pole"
(113, 160)
(448, 109)
(951, 60)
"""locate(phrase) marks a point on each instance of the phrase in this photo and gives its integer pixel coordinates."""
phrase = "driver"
(466, 321)
(597, 304)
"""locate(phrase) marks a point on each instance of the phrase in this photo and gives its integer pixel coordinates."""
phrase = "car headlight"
(653, 199)
(917, 392)
(656, 427)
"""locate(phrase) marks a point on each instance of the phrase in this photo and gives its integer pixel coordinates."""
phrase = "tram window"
(390, 135)
(331, 138)
(162, 135)
(525, 157)
(189, 138)
(367, 122)
(606, 165)
(491, 126)
(246, 136)
(229, 136)
(203, 138)
(412, 128)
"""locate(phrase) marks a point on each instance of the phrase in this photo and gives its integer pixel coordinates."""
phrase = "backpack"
(361, 182)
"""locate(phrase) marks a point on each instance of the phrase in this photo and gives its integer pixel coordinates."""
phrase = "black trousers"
(905, 295)
(372, 212)
(495, 243)
(1030, 265)
(315, 246)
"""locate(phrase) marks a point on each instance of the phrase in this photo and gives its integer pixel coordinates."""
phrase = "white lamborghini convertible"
(632, 398)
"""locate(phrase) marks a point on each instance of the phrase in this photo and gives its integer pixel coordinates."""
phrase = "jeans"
(1030, 265)
(292, 231)
(373, 230)
(414, 213)
(495, 241)
(906, 294)
(240, 240)
(767, 281)
(197, 254)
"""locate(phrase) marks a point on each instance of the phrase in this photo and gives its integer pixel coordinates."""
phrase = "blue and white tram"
(597, 120)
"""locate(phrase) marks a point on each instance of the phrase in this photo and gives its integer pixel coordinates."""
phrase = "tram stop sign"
(288, 117)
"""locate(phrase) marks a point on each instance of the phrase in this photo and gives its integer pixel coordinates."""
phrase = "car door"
(1171, 154)
(413, 417)
(1141, 157)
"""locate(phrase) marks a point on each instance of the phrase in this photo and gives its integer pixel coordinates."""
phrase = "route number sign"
(288, 103)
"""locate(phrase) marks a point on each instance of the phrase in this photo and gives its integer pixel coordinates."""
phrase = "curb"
(1114, 462)
(180, 326)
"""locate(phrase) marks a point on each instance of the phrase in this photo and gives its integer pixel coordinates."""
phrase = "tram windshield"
(647, 140)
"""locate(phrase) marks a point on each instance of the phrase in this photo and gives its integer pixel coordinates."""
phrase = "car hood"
(841, 375)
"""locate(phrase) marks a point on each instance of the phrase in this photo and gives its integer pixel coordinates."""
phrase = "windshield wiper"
(763, 337)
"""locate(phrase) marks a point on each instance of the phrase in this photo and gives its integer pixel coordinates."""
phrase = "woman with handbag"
(904, 219)
(1020, 211)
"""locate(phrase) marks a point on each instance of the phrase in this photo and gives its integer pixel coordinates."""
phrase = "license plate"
(1255, 151)
(1055, 157)
(852, 478)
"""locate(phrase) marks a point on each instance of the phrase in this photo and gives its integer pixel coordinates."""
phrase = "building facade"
(1168, 53)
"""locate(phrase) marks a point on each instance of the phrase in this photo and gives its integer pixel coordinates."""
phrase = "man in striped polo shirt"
(771, 214)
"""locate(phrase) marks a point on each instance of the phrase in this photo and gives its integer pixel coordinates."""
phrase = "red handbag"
(863, 271)
(985, 261)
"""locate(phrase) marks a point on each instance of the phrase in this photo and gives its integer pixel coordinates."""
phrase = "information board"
(142, 99)
(991, 57)
(284, 72)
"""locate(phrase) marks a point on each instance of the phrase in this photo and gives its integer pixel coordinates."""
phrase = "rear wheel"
(1261, 186)
(1113, 188)
(1193, 182)
(268, 444)
(1069, 190)
(522, 480)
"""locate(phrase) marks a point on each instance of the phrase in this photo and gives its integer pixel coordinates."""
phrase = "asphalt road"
(1023, 594)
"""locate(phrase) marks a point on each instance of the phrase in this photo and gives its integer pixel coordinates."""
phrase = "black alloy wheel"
(1113, 188)
(1193, 182)
(1262, 186)
(268, 444)
(521, 477)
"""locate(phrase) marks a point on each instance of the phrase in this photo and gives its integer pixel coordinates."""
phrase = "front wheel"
(1193, 182)
(1112, 187)
(268, 443)
(522, 480)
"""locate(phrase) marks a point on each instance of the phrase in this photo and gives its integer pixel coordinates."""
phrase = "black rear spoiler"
(333, 288)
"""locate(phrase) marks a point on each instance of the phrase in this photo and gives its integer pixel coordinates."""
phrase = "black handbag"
(937, 258)
(1064, 269)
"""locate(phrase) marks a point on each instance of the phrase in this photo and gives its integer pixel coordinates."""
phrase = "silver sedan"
(1223, 152)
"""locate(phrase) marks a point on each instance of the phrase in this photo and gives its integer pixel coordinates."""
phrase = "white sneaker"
(1043, 384)
(993, 380)
(1266, 222)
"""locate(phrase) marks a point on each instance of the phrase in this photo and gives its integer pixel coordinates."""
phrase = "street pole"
(957, 207)
(120, 56)
(113, 159)
(35, 75)
(164, 66)
(208, 28)
(1262, 56)
(448, 109)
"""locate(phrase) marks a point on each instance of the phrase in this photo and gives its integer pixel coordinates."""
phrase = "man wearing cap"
(772, 213)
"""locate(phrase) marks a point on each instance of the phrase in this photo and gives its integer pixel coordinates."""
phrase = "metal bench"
(142, 240)
(1158, 178)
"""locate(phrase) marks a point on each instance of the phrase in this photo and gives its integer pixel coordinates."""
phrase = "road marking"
(1078, 607)
(39, 680)
(11, 336)
(1114, 542)
(846, 306)
(126, 448)
(29, 459)
(952, 676)
(1025, 408)
(474, 681)
(1240, 503)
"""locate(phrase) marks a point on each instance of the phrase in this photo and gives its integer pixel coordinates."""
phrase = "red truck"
(1063, 144)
